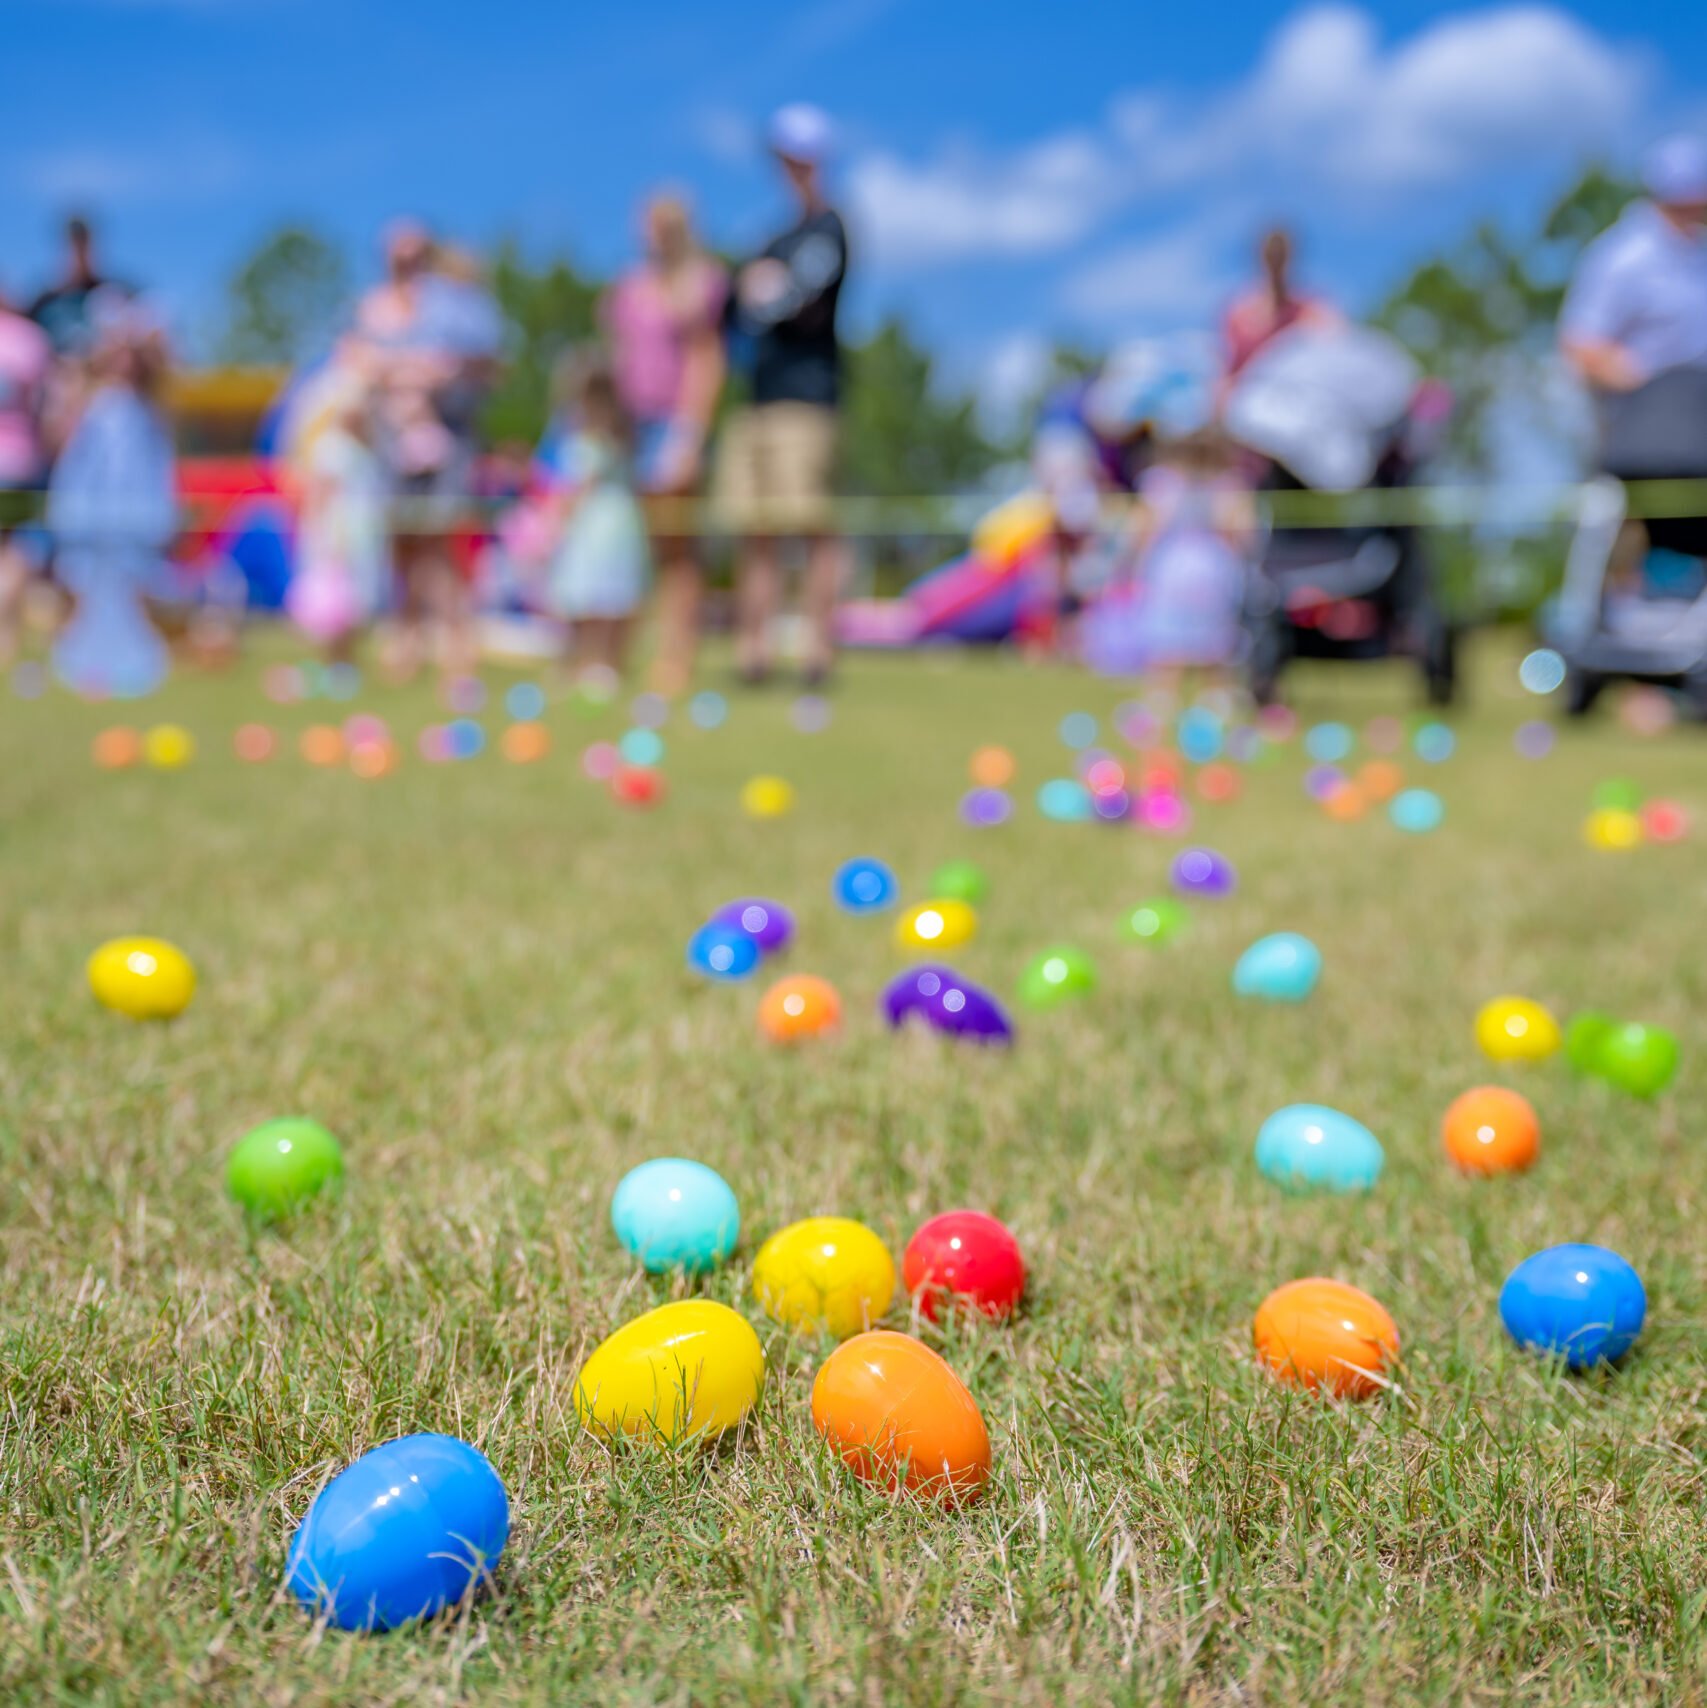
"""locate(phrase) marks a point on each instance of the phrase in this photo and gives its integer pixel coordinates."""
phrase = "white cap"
(800, 132)
(1675, 171)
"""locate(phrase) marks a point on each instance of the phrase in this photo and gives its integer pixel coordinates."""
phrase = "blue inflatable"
(1580, 1302)
(401, 1534)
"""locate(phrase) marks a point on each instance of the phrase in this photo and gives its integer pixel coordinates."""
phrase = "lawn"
(474, 974)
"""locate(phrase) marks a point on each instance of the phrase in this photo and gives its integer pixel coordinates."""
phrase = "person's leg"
(620, 636)
(819, 596)
(14, 586)
(804, 459)
(758, 593)
(679, 588)
(408, 637)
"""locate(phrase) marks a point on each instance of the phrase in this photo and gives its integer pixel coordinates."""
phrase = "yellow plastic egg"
(1612, 828)
(1514, 1029)
(941, 924)
(144, 977)
(167, 746)
(766, 797)
(826, 1272)
(693, 1368)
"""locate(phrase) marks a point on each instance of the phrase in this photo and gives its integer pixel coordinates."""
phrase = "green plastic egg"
(280, 1165)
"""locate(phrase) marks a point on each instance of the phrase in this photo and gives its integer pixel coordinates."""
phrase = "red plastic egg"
(964, 1257)
(638, 786)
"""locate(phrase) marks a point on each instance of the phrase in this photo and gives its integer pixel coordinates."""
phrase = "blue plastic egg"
(1309, 1146)
(1434, 744)
(641, 747)
(864, 886)
(1328, 743)
(1282, 967)
(675, 1214)
(1416, 810)
(1199, 734)
(525, 702)
(1078, 729)
(401, 1534)
(1582, 1302)
(1066, 800)
(722, 951)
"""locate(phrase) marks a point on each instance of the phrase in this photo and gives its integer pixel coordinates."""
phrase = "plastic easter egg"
(1637, 1058)
(1616, 794)
(144, 977)
(1514, 1029)
(280, 1165)
(909, 994)
(940, 923)
(635, 786)
(798, 1007)
(991, 768)
(116, 749)
(1282, 967)
(403, 1533)
(168, 747)
(1326, 1336)
(641, 747)
(768, 923)
(1057, 975)
(722, 952)
(964, 1010)
(900, 1418)
(1582, 1303)
(1380, 780)
(1328, 743)
(1066, 800)
(1664, 821)
(1612, 830)
(1218, 782)
(964, 1258)
(1200, 734)
(673, 1213)
(1417, 811)
(1490, 1130)
(864, 886)
(1583, 1038)
(708, 709)
(1308, 1146)
(826, 1272)
(693, 1368)
(1078, 729)
(322, 744)
(525, 743)
(1155, 921)
(766, 797)
(1434, 744)
(960, 880)
(1203, 872)
(985, 808)
(1345, 804)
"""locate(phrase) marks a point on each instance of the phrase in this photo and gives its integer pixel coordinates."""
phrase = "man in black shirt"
(62, 310)
(778, 455)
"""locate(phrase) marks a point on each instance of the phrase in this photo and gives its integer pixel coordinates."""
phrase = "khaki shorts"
(775, 469)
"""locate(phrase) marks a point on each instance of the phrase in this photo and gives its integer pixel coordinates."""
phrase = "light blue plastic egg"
(1416, 810)
(1066, 800)
(642, 747)
(1199, 734)
(1328, 743)
(1308, 1146)
(1282, 967)
(1582, 1302)
(864, 886)
(675, 1214)
(722, 951)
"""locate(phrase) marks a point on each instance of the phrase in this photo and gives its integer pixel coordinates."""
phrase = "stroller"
(1340, 410)
(1656, 632)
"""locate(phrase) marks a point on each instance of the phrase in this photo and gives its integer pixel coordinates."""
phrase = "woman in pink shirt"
(663, 321)
(25, 355)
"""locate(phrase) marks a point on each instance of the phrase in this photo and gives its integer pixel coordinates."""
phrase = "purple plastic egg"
(768, 923)
(986, 807)
(964, 1011)
(1203, 872)
(912, 992)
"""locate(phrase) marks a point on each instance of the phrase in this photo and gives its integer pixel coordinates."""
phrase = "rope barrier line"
(958, 514)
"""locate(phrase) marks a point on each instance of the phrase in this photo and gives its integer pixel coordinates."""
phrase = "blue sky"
(1013, 172)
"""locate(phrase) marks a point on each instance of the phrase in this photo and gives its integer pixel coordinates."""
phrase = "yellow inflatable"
(1012, 529)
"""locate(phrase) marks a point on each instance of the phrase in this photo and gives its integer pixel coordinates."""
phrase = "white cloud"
(1178, 275)
(1009, 376)
(1328, 109)
(184, 171)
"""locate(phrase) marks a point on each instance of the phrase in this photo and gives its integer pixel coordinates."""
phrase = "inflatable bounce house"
(1002, 589)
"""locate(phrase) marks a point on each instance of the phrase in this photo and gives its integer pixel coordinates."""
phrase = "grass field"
(474, 974)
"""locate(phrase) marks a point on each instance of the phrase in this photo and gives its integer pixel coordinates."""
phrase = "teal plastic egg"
(1282, 967)
(1416, 810)
(1311, 1147)
(673, 1213)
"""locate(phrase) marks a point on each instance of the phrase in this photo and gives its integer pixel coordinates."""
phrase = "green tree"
(901, 435)
(547, 310)
(287, 300)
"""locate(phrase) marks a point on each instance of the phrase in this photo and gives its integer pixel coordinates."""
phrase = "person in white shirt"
(1637, 306)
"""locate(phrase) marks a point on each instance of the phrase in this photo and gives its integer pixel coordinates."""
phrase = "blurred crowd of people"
(379, 444)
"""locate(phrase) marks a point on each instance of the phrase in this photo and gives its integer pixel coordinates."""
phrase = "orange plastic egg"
(1321, 1334)
(1346, 803)
(1489, 1130)
(524, 743)
(1380, 779)
(1218, 782)
(799, 1006)
(322, 744)
(900, 1417)
(992, 767)
(116, 748)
